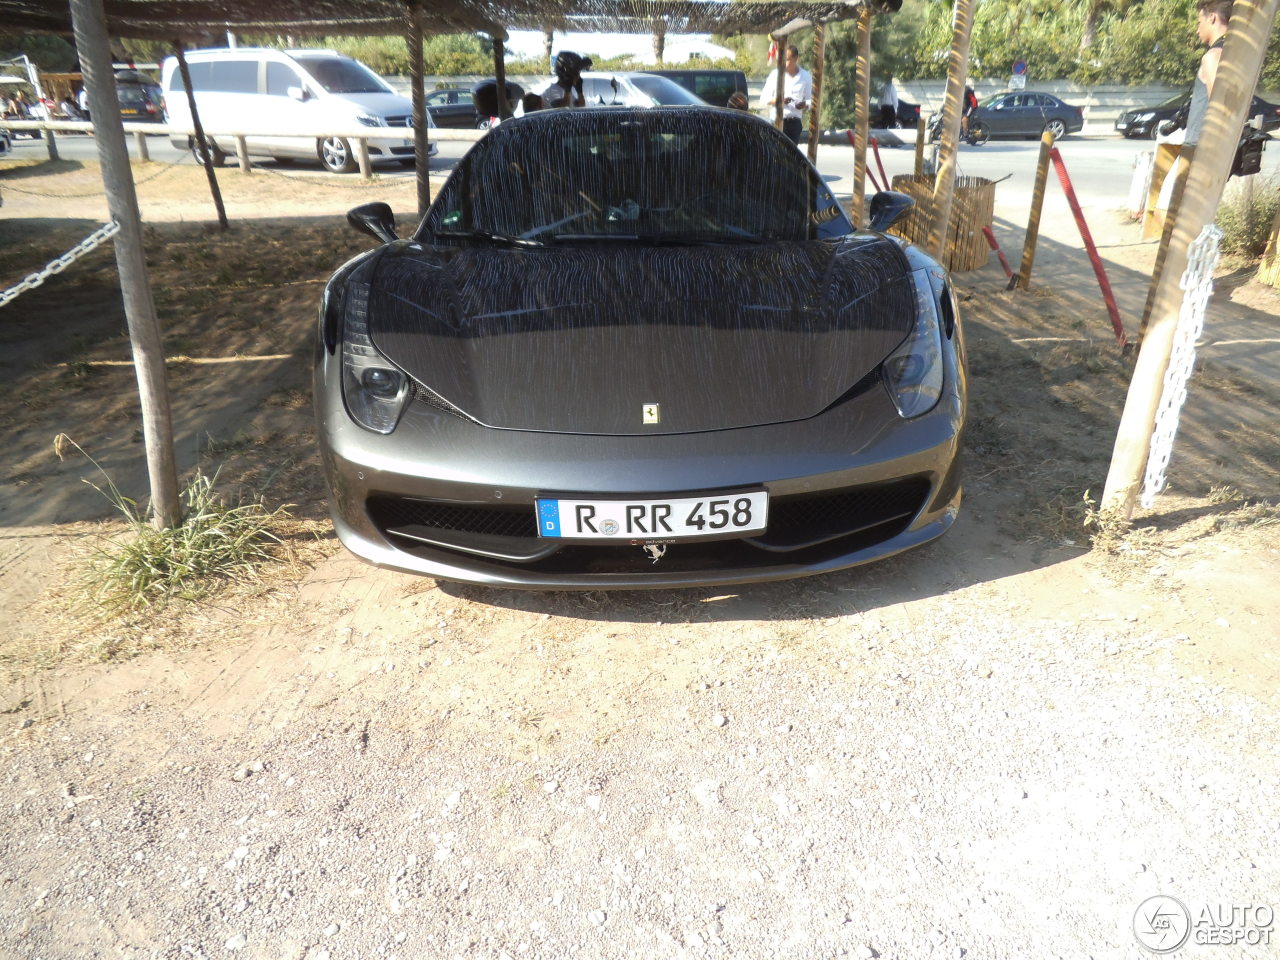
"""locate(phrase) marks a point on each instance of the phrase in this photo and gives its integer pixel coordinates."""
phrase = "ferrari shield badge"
(650, 413)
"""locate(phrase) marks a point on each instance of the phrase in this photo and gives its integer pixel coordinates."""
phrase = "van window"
(714, 87)
(340, 75)
(201, 74)
(234, 76)
(280, 78)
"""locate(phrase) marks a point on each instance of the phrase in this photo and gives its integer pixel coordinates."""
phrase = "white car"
(601, 89)
(302, 96)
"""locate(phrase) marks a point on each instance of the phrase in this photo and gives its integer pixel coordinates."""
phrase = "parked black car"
(713, 86)
(452, 107)
(141, 98)
(1144, 122)
(1026, 113)
(592, 366)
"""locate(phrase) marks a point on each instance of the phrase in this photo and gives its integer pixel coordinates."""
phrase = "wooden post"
(362, 158)
(1210, 164)
(51, 144)
(957, 69)
(1023, 279)
(413, 39)
(500, 74)
(140, 139)
(861, 116)
(779, 87)
(242, 155)
(1269, 270)
(89, 24)
(815, 108)
(920, 140)
(201, 146)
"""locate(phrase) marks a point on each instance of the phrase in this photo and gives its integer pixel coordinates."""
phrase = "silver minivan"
(289, 103)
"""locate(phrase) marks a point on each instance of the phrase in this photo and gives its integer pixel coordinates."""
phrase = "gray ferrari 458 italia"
(638, 348)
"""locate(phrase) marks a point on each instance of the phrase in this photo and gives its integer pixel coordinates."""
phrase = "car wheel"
(483, 123)
(979, 133)
(1152, 132)
(336, 155)
(216, 156)
(1057, 128)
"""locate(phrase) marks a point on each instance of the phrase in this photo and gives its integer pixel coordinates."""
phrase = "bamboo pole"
(421, 147)
(780, 68)
(500, 74)
(1269, 270)
(1210, 165)
(89, 24)
(815, 107)
(1023, 279)
(202, 145)
(920, 139)
(944, 182)
(861, 113)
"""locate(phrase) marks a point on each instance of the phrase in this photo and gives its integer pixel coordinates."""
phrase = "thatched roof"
(163, 19)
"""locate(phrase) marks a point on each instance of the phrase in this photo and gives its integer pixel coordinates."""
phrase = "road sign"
(1018, 81)
(1019, 68)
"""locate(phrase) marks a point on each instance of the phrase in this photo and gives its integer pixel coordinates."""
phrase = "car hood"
(582, 340)
(377, 104)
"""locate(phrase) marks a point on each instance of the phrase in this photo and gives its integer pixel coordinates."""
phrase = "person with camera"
(1212, 20)
(797, 93)
(562, 90)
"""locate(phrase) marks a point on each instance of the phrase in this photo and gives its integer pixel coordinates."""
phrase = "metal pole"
(201, 146)
(1210, 165)
(957, 69)
(89, 23)
(861, 113)
(420, 143)
(815, 108)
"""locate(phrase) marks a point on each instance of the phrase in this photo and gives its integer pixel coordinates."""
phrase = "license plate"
(126, 112)
(713, 516)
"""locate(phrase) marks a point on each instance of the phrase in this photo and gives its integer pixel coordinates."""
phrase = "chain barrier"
(1197, 286)
(57, 265)
(375, 179)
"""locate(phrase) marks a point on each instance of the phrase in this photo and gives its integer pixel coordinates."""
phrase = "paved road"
(1100, 164)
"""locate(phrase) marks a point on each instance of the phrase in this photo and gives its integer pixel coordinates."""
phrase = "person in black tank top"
(1213, 17)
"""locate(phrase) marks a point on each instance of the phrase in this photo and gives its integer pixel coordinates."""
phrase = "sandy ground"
(995, 746)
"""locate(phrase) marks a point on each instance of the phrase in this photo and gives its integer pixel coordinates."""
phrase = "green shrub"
(1247, 211)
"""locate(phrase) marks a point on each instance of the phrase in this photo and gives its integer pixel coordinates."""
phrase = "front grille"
(400, 121)
(487, 520)
(803, 528)
(402, 151)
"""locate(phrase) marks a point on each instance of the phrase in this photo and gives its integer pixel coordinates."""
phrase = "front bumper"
(860, 448)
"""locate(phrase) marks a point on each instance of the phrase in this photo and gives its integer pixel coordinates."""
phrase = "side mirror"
(613, 82)
(375, 219)
(887, 208)
(297, 93)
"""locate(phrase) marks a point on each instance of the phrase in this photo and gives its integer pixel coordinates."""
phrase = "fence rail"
(360, 134)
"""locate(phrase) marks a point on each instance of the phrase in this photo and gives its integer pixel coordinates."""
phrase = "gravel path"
(965, 775)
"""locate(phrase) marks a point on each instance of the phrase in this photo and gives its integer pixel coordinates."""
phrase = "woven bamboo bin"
(973, 204)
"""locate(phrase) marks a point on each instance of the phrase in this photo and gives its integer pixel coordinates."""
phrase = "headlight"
(376, 391)
(913, 372)
(369, 121)
(1149, 115)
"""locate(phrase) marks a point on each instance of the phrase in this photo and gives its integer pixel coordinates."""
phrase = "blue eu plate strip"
(549, 517)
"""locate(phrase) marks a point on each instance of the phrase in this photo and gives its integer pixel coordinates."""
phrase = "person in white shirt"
(797, 92)
(888, 103)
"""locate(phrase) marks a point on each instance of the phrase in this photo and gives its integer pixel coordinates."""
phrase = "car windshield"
(694, 175)
(1175, 101)
(342, 75)
(666, 92)
(992, 101)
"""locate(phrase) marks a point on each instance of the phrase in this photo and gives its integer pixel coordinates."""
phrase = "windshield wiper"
(502, 238)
